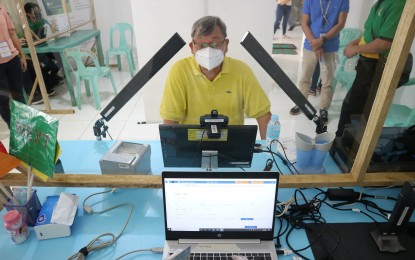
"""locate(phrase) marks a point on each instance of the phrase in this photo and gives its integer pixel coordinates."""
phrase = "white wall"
(155, 21)
(358, 12)
(108, 12)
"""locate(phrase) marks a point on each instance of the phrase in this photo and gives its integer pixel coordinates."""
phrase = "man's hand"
(351, 49)
(319, 53)
(316, 44)
(23, 63)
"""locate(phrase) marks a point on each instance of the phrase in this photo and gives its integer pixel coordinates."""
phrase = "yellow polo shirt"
(188, 94)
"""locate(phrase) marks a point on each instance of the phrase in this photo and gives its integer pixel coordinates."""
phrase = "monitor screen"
(186, 145)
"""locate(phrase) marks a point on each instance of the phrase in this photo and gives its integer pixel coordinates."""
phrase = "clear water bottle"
(273, 132)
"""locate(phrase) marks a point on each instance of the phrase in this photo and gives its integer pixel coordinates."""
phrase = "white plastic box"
(127, 158)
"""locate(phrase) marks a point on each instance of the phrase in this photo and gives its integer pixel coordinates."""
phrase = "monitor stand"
(209, 160)
(386, 242)
(385, 236)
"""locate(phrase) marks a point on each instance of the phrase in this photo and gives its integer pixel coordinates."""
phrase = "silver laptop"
(219, 214)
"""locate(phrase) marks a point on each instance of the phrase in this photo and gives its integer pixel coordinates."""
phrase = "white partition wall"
(155, 21)
(107, 13)
(358, 12)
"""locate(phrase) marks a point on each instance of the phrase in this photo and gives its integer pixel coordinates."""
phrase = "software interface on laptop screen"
(219, 204)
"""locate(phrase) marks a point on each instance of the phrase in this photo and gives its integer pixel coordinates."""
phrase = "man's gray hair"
(206, 25)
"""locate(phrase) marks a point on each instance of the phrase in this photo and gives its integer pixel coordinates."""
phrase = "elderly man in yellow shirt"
(209, 80)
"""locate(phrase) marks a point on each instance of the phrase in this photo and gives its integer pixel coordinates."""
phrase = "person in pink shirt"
(12, 65)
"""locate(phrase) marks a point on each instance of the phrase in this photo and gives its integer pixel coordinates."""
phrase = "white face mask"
(209, 58)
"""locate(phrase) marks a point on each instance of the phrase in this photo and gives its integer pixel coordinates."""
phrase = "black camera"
(213, 123)
(100, 129)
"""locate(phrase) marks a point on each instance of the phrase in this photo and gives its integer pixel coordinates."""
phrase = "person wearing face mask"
(209, 80)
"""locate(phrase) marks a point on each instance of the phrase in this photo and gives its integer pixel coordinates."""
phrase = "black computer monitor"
(394, 151)
(183, 146)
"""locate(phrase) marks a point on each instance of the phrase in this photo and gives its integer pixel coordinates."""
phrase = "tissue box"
(126, 158)
(44, 228)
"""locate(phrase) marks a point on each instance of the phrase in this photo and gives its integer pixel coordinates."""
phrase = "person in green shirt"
(42, 29)
(373, 49)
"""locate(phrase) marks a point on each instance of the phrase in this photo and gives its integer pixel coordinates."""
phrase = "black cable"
(199, 149)
(289, 245)
(288, 162)
(373, 212)
(367, 203)
(269, 150)
(280, 232)
(375, 206)
(382, 212)
(302, 195)
(360, 211)
(330, 254)
(275, 162)
(319, 234)
(299, 214)
(378, 197)
(227, 158)
(295, 217)
(321, 191)
(109, 134)
(278, 236)
(230, 160)
(268, 165)
(285, 160)
(300, 224)
(367, 215)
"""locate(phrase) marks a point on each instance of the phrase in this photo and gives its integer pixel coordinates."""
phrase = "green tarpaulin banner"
(33, 138)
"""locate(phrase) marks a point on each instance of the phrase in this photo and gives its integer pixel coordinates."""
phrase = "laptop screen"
(224, 205)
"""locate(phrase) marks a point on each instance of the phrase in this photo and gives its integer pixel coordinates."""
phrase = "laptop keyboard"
(228, 256)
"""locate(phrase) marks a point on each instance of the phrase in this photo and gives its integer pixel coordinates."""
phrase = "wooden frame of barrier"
(358, 175)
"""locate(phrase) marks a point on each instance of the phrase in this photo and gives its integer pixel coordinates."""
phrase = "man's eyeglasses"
(210, 44)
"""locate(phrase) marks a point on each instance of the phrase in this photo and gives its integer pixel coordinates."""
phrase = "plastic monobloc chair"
(88, 74)
(124, 47)
(345, 72)
(400, 115)
(347, 35)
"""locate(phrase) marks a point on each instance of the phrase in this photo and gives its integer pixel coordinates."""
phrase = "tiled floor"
(124, 125)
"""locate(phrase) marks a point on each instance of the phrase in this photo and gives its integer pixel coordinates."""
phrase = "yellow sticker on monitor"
(196, 135)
